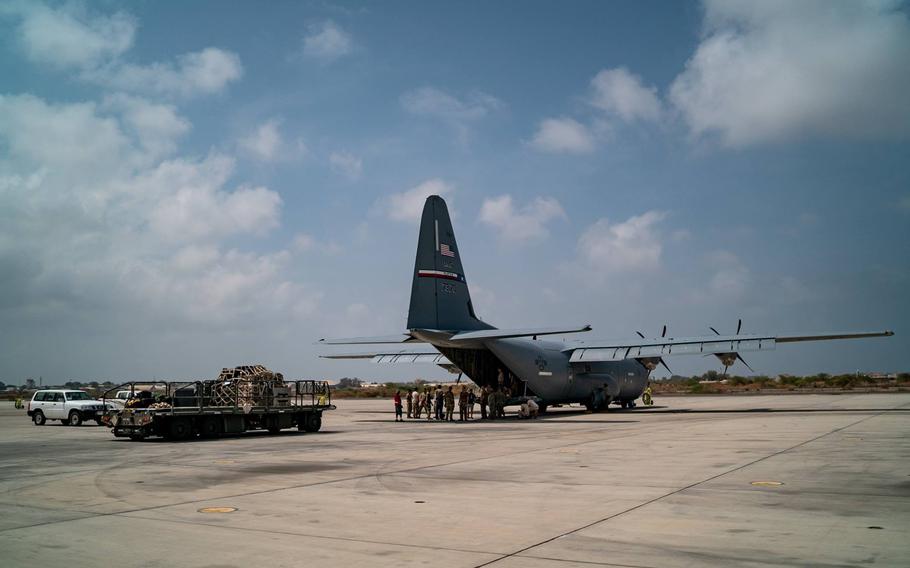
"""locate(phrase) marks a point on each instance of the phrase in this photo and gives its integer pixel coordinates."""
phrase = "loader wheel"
(210, 427)
(313, 422)
(274, 430)
(137, 437)
(180, 429)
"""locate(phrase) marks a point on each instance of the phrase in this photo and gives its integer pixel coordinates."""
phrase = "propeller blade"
(714, 330)
(640, 334)
(664, 332)
(665, 366)
(743, 361)
(739, 325)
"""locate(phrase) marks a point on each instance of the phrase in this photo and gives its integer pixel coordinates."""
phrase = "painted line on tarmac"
(680, 490)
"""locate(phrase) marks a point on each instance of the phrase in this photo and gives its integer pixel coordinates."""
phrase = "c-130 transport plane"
(594, 373)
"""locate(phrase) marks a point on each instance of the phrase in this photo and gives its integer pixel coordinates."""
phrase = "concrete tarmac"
(669, 486)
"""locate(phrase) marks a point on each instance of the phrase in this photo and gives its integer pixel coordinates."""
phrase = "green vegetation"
(714, 382)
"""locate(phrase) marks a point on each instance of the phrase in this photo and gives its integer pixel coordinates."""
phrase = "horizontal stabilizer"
(397, 338)
(509, 333)
(433, 358)
(389, 357)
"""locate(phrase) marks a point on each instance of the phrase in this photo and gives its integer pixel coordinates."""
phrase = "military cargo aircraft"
(594, 373)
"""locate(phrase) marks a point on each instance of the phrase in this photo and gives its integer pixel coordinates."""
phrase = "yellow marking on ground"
(217, 509)
(768, 483)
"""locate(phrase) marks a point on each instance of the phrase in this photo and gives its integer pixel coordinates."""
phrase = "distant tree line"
(714, 382)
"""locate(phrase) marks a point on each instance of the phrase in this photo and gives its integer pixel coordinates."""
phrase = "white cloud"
(620, 93)
(346, 164)
(520, 224)
(457, 112)
(730, 277)
(327, 41)
(267, 144)
(264, 143)
(215, 287)
(306, 243)
(563, 135)
(105, 223)
(157, 126)
(408, 205)
(633, 245)
(68, 36)
(777, 70)
(202, 72)
(430, 101)
(198, 207)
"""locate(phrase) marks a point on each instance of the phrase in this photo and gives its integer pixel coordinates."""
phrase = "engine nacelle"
(649, 363)
(727, 359)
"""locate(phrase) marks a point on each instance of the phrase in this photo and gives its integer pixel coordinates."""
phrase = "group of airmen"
(439, 402)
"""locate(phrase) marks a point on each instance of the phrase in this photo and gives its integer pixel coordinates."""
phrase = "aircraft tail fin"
(439, 292)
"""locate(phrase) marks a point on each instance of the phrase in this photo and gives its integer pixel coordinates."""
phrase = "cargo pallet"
(208, 409)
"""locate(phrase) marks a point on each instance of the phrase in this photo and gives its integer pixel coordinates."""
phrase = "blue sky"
(185, 186)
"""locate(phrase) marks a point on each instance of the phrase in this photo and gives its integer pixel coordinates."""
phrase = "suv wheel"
(75, 418)
(38, 418)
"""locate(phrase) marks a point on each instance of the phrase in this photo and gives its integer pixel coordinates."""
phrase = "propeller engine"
(728, 359)
(651, 363)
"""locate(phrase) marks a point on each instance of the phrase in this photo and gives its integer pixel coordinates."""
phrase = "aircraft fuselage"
(546, 369)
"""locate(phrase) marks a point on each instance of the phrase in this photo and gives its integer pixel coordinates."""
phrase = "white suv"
(71, 407)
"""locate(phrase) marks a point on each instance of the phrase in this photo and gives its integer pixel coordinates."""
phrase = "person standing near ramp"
(397, 400)
(440, 403)
(418, 403)
(450, 404)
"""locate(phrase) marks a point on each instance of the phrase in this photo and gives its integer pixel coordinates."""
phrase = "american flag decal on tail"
(444, 250)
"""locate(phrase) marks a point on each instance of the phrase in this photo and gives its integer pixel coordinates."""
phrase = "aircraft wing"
(704, 345)
(396, 338)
